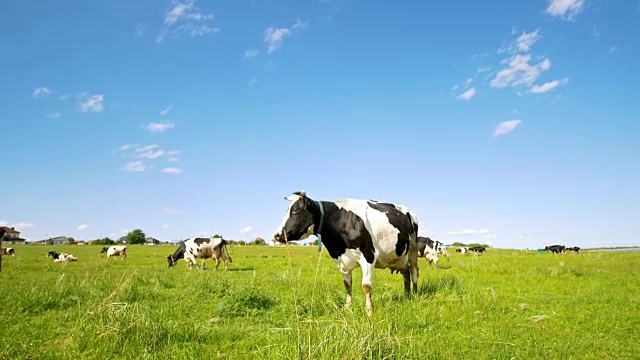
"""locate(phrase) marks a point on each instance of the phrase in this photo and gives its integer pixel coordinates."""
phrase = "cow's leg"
(367, 280)
(346, 279)
(413, 264)
(217, 263)
(226, 264)
(406, 276)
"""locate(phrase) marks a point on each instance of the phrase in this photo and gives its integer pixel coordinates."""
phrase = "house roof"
(9, 230)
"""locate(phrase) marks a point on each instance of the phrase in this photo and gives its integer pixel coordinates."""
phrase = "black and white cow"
(115, 250)
(8, 251)
(429, 249)
(573, 249)
(61, 257)
(555, 249)
(477, 249)
(201, 248)
(364, 233)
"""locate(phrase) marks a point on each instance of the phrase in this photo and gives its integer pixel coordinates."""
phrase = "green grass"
(287, 303)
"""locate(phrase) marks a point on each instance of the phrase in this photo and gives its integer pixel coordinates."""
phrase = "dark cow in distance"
(356, 232)
(477, 249)
(555, 249)
(8, 251)
(574, 249)
(201, 248)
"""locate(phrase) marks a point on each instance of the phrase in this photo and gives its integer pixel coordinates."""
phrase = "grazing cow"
(573, 249)
(61, 257)
(555, 249)
(364, 233)
(429, 249)
(115, 250)
(477, 249)
(8, 251)
(462, 250)
(201, 248)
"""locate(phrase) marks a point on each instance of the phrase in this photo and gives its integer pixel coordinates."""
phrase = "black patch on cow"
(177, 255)
(423, 242)
(200, 241)
(400, 221)
(343, 230)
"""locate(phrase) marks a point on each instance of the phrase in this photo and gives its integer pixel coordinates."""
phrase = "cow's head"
(171, 261)
(104, 250)
(299, 221)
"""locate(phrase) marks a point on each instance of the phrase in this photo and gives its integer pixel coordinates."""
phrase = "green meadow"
(287, 303)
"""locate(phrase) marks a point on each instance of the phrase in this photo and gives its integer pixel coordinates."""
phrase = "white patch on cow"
(204, 251)
(383, 233)
(117, 250)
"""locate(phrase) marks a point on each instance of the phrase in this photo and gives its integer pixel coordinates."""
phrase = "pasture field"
(287, 303)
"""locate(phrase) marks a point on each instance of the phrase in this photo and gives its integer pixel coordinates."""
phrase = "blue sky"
(509, 123)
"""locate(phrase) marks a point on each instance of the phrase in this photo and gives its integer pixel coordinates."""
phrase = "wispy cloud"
(506, 127)
(250, 54)
(165, 111)
(486, 233)
(171, 170)
(135, 166)
(273, 37)
(17, 226)
(140, 30)
(564, 9)
(185, 17)
(150, 154)
(172, 211)
(54, 115)
(520, 71)
(158, 127)
(41, 92)
(92, 103)
(83, 227)
(467, 95)
(548, 86)
(246, 230)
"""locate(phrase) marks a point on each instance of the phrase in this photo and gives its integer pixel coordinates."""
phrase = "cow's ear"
(300, 193)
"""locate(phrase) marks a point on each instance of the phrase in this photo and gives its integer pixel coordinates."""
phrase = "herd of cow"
(356, 233)
(557, 249)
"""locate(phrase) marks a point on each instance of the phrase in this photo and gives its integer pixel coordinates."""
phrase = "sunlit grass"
(287, 303)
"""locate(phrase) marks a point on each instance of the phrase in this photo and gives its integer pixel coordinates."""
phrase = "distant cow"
(115, 250)
(477, 249)
(462, 250)
(201, 248)
(429, 249)
(61, 257)
(573, 249)
(357, 232)
(8, 251)
(556, 249)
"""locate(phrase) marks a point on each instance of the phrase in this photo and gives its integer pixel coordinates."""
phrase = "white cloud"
(126, 147)
(548, 86)
(17, 226)
(135, 166)
(150, 154)
(247, 229)
(506, 127)
(140, 29)
(564, 9)
(158, 127)
(92, 103)
(185, 17)
(250, 54)
(172, 211)
(83, 227)
(54, 115)
(146, 148)
(486, 233)
(520, 72)
(274, 37)
(467, 95)
(165, 111)
(174, 159)
(171, 170)
(166, 226)
(64, 97)
(526, 40)
(41, 92)
(252, 82)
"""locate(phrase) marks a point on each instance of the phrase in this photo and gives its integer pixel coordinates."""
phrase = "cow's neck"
(318, 228)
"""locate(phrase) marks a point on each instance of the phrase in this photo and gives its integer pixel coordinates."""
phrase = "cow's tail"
(226, 252)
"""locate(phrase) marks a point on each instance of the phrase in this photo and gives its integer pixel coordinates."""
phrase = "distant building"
(58, 240)
(11, 235)
(151, 241)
